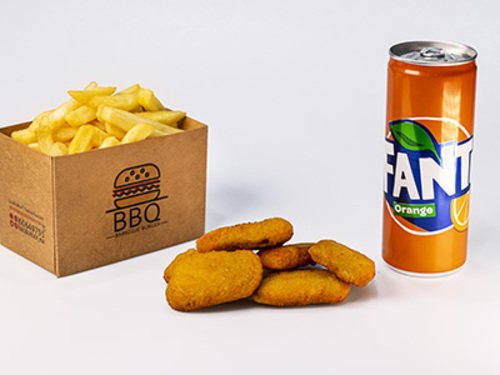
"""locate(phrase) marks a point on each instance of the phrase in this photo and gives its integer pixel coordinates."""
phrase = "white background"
(294, 94)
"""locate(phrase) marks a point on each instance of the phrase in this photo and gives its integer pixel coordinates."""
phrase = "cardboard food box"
(76, 212)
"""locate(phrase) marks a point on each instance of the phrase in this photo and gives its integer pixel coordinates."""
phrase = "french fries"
(138, 133)
(83, 96)
(134, 89)
(25, 136)
(44, 135)
(127, 102)
(149, 101)
(164, 117)
(99, 117)
(109, 141)
(58, 149)
(65, 134)
(126, 120)
(82, 115)
(98, 137)
(83, 140)
(114, 130)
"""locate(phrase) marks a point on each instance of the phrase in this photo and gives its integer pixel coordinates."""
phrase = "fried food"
(201, 280)
(258, 235)
(286, 257)
(25, 136)
(168, 271)
(95, 118)
(149, 101)
(126, 120)
(109, 142)
(138, 133)
(165, 117)
(349, 265)
(301, 287)
(82, 140)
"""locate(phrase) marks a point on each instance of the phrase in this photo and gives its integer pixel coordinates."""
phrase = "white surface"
(294, 93)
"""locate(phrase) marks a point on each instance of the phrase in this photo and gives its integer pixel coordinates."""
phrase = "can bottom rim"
(425, 275)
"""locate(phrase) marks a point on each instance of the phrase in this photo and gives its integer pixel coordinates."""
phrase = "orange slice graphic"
(460, 212)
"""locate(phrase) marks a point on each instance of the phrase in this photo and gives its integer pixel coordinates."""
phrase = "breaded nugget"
(349, 265)
(258, 235)
(286, 257)
(301, 287)
(206, 279)
(168, 271)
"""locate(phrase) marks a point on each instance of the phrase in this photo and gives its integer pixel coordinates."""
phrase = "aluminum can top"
(432, 53)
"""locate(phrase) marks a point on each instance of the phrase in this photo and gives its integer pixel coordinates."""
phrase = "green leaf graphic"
(413, 137)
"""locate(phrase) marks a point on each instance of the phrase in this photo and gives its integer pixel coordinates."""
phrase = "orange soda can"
(429, 140)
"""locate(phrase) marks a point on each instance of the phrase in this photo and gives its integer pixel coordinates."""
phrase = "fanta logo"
(426, 168)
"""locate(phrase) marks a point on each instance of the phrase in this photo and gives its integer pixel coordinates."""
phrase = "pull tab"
(432, 53)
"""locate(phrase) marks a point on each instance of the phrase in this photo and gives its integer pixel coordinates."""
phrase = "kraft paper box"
(76, 212)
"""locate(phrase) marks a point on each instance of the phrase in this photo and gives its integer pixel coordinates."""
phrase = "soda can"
(429, 138)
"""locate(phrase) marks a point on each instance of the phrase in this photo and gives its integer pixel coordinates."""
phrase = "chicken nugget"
(349, 265)
(168, 271)
(207, 279)
(301, 287)
(286, 257)
(258, 235)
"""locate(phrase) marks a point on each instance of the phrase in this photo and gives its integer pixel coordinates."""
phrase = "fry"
(134, 89)
(114, 131)
(58, 149)
(36, 122)
(82, 140)
(81, 115)
(56, 118)
(83, 96)
(126, 121)
(98, 137)
(164, 117)
(138, 133)
(109, 142)
(34, 146)
(64, 134)
(127, 102)
(98, 124)
(44, 135)
(157, 134)
(149, 101)
(25, 136)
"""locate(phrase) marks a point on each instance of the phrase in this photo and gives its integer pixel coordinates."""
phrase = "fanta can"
(429, 138)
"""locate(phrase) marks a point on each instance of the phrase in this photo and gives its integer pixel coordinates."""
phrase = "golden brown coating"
(168, 271)
(286, 257)
(208, 279)
(348, 264)
(258, 235)
(301, 287)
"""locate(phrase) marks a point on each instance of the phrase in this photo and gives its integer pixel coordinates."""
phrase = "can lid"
(433, 53)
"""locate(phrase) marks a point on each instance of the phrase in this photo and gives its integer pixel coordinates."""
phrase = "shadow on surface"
(248, 304)
(244, 304)
(362, 294)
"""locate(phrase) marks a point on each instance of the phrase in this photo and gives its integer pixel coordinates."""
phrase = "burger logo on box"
(137, 185)
(136, 192)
